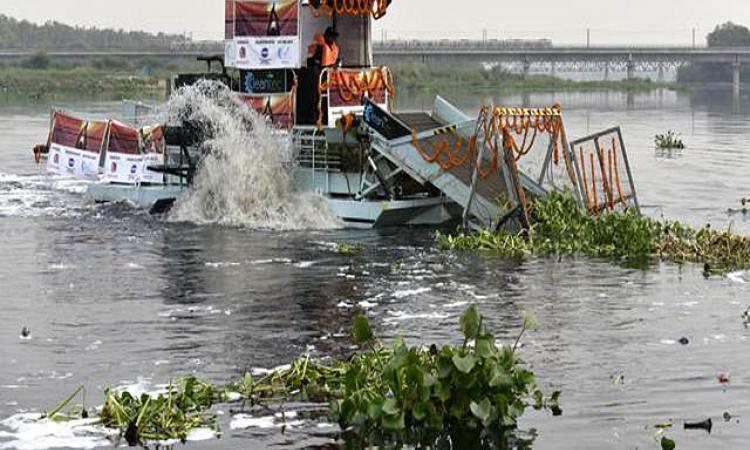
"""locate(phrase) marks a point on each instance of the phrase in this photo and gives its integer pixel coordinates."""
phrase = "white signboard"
(147, 176)
(267, 52)
(72, 161)
(122, 168)
(132, 169)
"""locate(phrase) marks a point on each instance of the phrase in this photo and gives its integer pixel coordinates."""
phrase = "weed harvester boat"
(375, 166)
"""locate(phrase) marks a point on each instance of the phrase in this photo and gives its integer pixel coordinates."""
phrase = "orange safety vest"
(330, 53)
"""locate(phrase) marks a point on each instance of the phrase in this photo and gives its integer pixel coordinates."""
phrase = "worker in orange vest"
(324, 52)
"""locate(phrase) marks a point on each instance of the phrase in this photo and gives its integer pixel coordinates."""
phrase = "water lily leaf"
(470, 322)
(464, 364)
(420, 411)
(500, 378)
(482, 410)
(375, 409)
(361, 330)
(390, 407)
(667, 444)
(394, 423)
(485, 347)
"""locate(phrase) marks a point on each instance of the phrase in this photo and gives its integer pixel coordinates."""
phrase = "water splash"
(245, 178)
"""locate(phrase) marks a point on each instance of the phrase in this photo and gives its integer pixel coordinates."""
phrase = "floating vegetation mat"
(669, 141)
(384, 394)
(559, 227)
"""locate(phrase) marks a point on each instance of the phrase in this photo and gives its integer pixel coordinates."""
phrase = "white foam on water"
(244, 421)
(398, 316)
(411, 292)
(245, 178)
(142, 386)
(38, 195)
(29, 431)
(740, 277)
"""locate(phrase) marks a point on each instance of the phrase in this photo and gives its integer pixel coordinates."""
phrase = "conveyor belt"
(419, 121)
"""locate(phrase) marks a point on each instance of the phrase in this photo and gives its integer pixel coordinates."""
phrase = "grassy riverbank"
(41, 78)
(116, 80)
(38, 84)
(421, 76)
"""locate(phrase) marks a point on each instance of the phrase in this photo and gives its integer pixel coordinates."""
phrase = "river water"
(114, 297)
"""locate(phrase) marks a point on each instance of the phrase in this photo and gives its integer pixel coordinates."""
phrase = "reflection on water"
(116, 297)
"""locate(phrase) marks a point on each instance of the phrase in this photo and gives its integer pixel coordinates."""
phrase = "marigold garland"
(375, 8)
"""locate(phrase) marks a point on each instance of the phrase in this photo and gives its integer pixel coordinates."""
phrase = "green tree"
(725, 35)
(729, 35)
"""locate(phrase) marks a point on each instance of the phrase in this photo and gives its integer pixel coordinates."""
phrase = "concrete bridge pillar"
(606, 72)
(660, 73)
(736, 81)
(631, 69)
(553, 69)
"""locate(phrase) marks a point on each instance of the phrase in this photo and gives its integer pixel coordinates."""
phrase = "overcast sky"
(565, 22)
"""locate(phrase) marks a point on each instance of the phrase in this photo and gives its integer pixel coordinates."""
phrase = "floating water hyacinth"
(560, 227)
(669, 141)
(408, 394)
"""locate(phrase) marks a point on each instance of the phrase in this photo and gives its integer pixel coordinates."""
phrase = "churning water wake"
(245, 178)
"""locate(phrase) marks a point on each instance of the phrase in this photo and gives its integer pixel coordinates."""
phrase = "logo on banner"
(114, 167)
(264, 53)
(134, 169)
(71, 163)
(56, 158)
(243, 52)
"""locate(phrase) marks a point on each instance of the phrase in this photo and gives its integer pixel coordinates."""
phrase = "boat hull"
(354, 213)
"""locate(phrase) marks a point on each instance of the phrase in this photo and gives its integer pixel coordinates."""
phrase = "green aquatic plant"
(397, 392)
(417, 390)
(559, 227)
(170, 415)
(347, 249)
(669, 141)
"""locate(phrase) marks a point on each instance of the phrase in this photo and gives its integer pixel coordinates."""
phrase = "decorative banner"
(154, 154)
(278, 108)
(262, 34)
(125, 163)
(347, 90)
(75, 146)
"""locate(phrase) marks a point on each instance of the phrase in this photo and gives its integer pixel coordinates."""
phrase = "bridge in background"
(626, 59)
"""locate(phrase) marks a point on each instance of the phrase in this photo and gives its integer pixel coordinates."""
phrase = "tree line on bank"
(725, 35)
(23, 35)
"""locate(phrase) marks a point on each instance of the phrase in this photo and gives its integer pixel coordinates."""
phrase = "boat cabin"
(273, 58)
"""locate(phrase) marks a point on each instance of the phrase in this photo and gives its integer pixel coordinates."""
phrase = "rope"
(353, 85)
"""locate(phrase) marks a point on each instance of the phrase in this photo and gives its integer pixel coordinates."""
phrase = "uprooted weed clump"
(389, 394)
(560, 227)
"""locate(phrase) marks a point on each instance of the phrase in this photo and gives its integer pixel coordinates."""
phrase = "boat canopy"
(275, 34)
(73, 132)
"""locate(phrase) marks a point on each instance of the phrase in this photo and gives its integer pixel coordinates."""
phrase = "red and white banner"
(279, 109)
(75, 146)
(125, 164)
(262, 34)
(154, 153)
